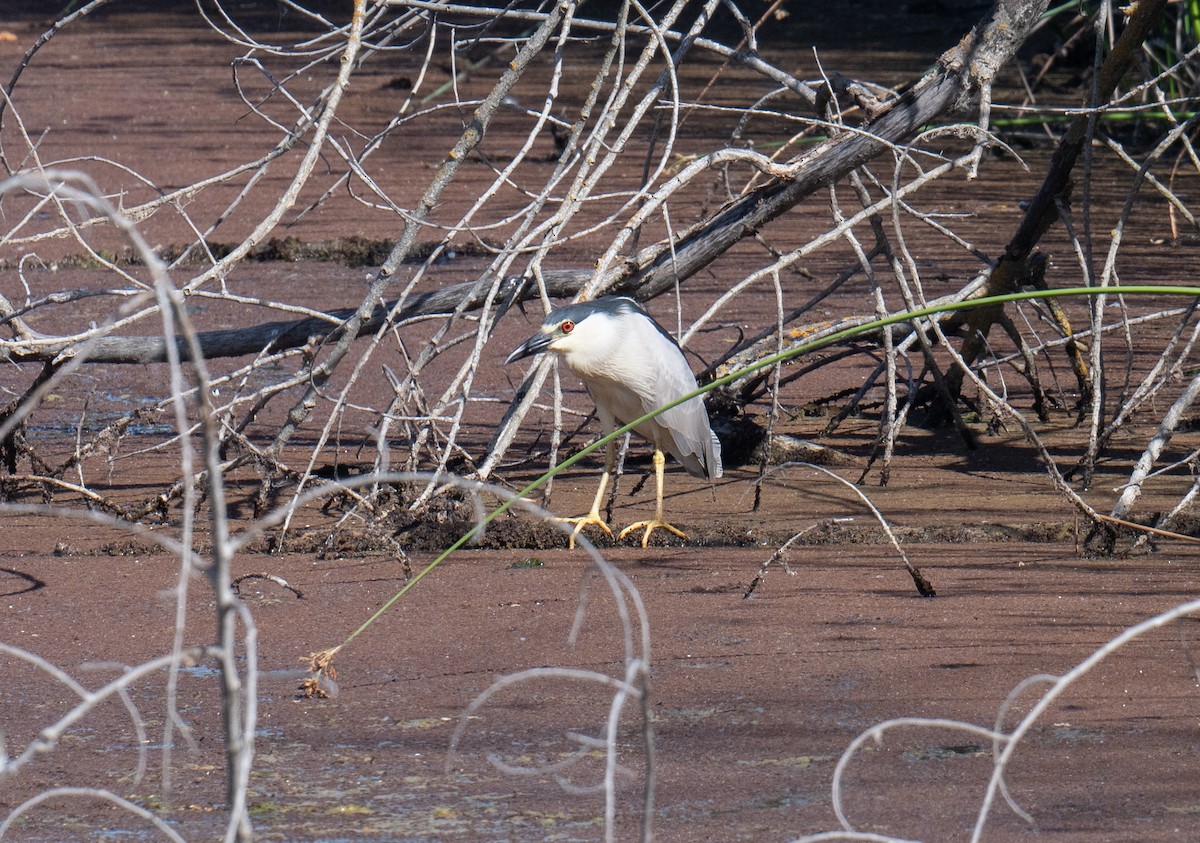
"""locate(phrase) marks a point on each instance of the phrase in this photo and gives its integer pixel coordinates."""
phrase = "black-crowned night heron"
(631, 366)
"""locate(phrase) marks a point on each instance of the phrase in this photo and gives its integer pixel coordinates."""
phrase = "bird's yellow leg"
(657, 522)
(593, 516)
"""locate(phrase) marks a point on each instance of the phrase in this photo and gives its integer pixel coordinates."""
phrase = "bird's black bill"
(534, 345)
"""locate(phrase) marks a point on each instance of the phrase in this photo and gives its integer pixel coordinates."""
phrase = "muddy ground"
(752, 699)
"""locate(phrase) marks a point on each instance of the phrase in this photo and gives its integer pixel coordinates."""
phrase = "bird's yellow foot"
(582, 521)
(651, 525)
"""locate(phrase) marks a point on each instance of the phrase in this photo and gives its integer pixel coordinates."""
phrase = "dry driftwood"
(1042, 211)
(959, 76)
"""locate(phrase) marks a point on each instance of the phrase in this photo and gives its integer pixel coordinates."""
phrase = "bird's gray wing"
(689, 437)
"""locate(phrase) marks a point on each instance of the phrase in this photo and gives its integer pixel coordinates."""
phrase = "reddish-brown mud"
(752, 701)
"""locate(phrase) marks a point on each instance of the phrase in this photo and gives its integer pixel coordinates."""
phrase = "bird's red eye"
(567, 326)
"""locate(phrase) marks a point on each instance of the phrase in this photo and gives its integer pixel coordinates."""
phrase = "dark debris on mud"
(428, 535)
(351, 251)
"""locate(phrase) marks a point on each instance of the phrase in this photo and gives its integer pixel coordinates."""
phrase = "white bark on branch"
(957, 78)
